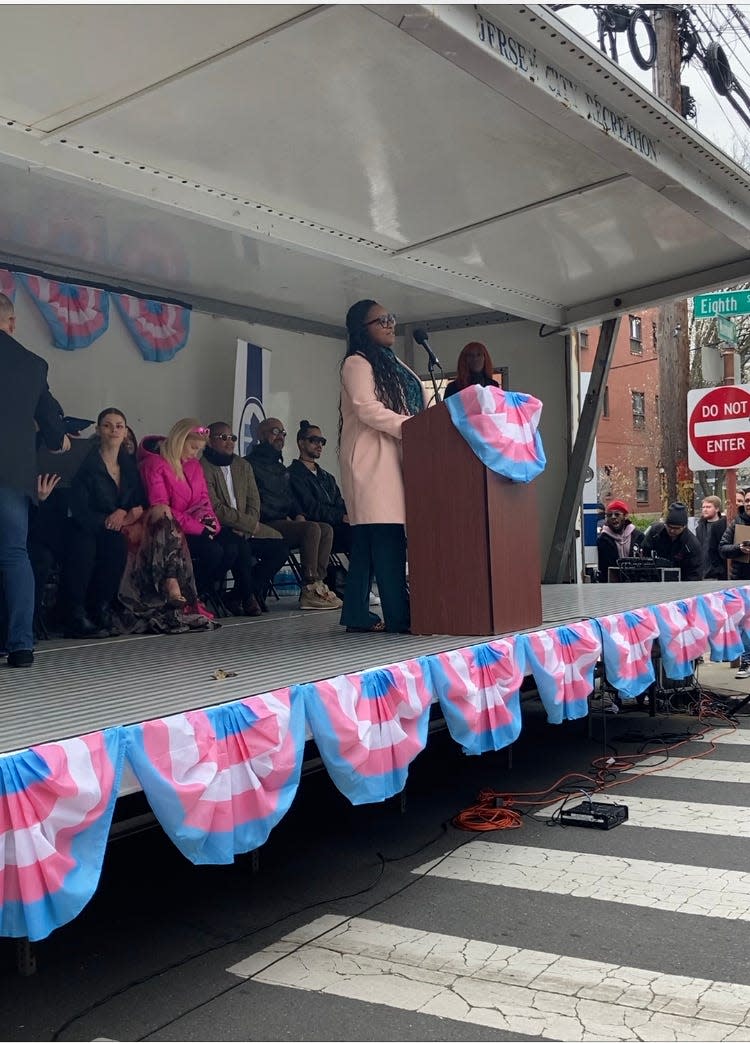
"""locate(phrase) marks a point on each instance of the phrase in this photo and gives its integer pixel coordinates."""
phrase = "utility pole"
(672, 323)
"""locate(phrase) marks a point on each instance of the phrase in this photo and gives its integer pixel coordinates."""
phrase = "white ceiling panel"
(69, 59)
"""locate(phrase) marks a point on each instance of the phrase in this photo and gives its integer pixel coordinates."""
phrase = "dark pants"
(18, 578)
(342, 539)
(94, 564)
(378, 550)
(212, 559)
(254, 562)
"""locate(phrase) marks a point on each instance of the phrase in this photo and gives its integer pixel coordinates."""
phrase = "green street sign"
(732, 302)
(727, 331)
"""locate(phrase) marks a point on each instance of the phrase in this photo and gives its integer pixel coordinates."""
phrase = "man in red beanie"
(618, 538)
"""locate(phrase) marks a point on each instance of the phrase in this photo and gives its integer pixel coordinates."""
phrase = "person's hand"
(345, 519)
(133, 515)
(45, 483)
(300, 517)
(115, 520)
(745, 545)
(64, 447)
(160, 510)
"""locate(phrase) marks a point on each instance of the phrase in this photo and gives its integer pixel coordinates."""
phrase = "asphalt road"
(541, 932)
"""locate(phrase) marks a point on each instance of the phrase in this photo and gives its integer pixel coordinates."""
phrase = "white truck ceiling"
(448, 160)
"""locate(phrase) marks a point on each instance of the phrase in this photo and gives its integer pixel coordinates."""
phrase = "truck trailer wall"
(198, 381)
(538, 367)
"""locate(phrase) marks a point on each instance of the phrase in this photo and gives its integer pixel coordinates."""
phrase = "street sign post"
(731, 302)
(718, 428)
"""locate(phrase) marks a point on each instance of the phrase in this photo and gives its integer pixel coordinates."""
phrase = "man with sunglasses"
(618, 538)
(280, 509)
(258, 551)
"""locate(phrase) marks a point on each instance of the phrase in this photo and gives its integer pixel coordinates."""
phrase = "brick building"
(627, 439)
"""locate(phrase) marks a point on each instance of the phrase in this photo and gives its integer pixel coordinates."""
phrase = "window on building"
(605, 403)
(639, 409)
(641, 485)
(583, 338)
(653, 337)
(656, 408)
(636, 338)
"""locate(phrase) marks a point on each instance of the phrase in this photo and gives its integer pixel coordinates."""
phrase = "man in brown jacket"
(258, 550)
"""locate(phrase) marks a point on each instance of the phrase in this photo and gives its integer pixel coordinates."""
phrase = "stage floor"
(76, 687)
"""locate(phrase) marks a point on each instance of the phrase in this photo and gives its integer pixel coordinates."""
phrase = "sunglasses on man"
(226, 438)
(316, 439)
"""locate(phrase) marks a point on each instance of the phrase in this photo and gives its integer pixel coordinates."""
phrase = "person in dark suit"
(26, 406)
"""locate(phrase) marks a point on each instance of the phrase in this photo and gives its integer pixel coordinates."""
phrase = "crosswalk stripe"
(740, 737)
(700, 770)
(686, 817)
(522, 991)
(655, 885)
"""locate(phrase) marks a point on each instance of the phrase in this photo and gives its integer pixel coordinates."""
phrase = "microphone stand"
(431, 364)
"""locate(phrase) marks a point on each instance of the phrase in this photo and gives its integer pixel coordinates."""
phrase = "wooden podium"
(473, 537)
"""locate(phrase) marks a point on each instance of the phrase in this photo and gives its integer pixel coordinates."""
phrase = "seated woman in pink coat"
(174, 479)
(378, 393)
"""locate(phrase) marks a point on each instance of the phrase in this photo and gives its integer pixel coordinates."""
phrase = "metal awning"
(290, 158)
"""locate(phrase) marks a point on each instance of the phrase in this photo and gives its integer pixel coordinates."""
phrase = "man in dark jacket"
(618, 538)
(709, 530)
(280, 510)
(672, 540)
(739, 555)
(26, 406)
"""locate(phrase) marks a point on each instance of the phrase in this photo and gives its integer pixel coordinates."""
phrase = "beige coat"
(244, 518)
(371, 476)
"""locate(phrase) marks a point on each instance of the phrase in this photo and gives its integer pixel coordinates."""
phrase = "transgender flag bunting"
(76, 315)
(723, 611)
(369, 727)
(501, 428)
(627, 641)
(683, 636)
(562, 662)
(478, 690)
(56, 804)
(160, 330)
(219, 780)
(8, 283)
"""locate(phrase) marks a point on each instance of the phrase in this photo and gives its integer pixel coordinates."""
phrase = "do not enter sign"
(718, 428)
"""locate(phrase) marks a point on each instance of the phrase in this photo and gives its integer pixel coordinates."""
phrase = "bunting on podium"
(502, 429)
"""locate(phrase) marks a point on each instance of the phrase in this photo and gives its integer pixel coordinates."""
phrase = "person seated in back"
(280, 510)
(174, 479)
(258, 550)
(131, 442)
(618, 538)
(474, 367)
(672, 540)
(105, 495)
(709, 530)
(738, 553)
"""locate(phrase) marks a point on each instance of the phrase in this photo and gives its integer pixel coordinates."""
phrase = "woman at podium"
(378, 393)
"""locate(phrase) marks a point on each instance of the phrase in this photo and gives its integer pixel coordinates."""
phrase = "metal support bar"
(25, 957)
(579, 458)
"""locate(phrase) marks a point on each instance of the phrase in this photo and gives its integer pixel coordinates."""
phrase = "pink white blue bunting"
(219, 780)
(56, 804)
(76, 315)
(478, 691)
(683, 636)
(369, 727)
(160, 330)
(562, 662)
(8, 283)
(627, 641)
(502, 429)
(723, 611)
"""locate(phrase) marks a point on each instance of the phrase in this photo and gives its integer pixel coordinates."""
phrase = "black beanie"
(677, 514)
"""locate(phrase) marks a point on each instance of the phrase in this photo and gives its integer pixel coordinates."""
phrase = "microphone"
(420, 336)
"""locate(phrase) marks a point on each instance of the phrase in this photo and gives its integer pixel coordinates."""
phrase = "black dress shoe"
(81, 626)
(104, 615)
(21, 657)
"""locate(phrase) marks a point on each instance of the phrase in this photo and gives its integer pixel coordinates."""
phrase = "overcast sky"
(716, 118)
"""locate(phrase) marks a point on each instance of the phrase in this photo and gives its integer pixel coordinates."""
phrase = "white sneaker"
(744, 671)
(374, 599)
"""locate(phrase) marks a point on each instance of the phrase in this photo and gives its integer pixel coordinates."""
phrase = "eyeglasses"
(316, 440)
(226, 438)
(276, 431)
(383, 320)
(203, 431)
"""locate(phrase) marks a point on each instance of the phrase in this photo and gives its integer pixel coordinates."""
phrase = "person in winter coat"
(279, 509)
(673, 541)
(378, 394)
(709, 530)
(315, 489)
(618, 538)
(739, 555)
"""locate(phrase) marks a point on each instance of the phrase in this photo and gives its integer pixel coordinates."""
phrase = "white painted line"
(521, 991)
(654, 885)
(725, 737)
(701, 770)
(716, 819)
